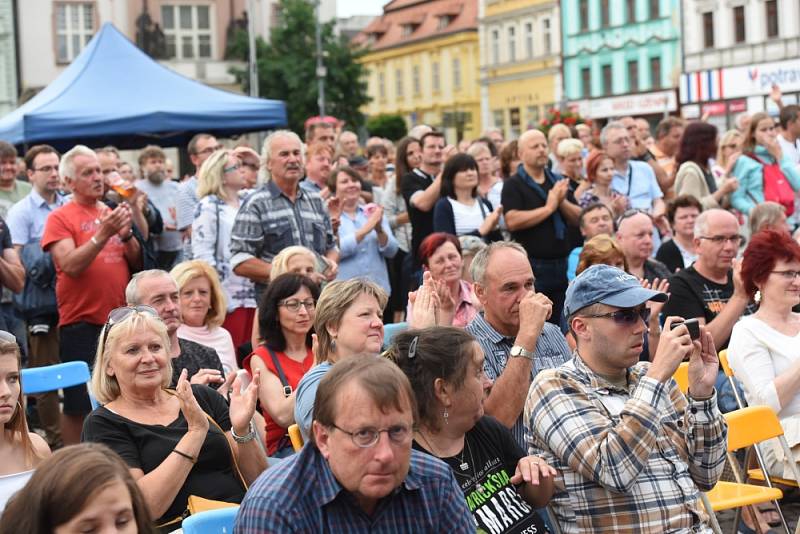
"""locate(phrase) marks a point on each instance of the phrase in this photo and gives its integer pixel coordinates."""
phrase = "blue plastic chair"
(54, 377)
(392, 329)
(211, 522)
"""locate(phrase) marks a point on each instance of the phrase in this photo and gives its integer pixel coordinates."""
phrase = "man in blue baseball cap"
(633, 451)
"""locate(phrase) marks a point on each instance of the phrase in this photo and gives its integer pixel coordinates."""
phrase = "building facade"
(734, 51)
(520, 73)
(621, 57)
(8, 58)
(423, 64)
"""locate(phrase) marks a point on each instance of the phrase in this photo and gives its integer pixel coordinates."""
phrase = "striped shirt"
(551, 351)
(629, 460)
(301, 494)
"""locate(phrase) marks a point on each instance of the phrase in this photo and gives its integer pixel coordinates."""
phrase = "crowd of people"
(539, 286)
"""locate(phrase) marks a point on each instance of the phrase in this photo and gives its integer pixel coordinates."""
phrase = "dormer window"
(408, 29)
(444, 21)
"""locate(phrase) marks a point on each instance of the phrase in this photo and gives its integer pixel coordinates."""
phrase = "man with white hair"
(348, 144)
(94, 253)
(279, 214)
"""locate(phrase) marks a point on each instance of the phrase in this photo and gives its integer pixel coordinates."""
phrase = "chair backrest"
(217, 521)
(295, 436)
(392, 329)
(681, 376)
(723, 361)
(751, 425)
(54, 377)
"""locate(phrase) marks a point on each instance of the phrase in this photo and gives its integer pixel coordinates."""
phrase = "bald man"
(537, 213)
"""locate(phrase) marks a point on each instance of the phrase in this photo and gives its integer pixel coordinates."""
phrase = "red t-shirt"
(294, 371)
(101, 286)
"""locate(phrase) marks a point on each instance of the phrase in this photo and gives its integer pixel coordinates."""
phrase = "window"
(415, 79)
(708, 29)
(608, 86)
(738, 24)
(498, 118)
(444, 22)
(74, 28)
(381, 85)
(630, 10)
(533, 116)
(495, 46)
(188, 31)
(772, 17)
(514, 119)
(655, 8)
(546, 37)
(604, 14)
(457, 73)
(586, 82)
(407, 29)
(633, 76)
(583, 14)
(655, 72)
(435, 75)
(398, 82)
(529, 39)
(512, 44)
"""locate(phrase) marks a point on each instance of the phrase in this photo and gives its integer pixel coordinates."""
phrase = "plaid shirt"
(268, 222)
(301, 494)
(628, 460)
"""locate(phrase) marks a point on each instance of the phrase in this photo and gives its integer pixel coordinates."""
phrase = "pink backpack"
(776, 187)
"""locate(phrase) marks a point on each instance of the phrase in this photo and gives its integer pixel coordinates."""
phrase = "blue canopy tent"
(113, 93)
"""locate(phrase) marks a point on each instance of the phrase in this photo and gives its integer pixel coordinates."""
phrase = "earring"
(757, 297)
(445, 414)
(333, 345)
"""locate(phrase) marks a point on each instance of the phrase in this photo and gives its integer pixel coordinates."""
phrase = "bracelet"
(188, 457)
(251, 434)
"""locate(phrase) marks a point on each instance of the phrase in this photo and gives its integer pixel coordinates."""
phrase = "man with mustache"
(164, 194)
(280, 214)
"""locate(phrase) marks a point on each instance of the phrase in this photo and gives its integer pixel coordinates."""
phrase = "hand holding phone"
(693, 325)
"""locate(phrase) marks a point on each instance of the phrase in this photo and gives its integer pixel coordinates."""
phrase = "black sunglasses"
(627, 317)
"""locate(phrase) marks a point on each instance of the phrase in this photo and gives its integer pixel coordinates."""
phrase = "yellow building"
(423, 65)
(520, 73)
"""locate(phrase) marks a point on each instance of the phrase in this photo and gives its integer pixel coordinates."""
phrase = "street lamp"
(321, 70)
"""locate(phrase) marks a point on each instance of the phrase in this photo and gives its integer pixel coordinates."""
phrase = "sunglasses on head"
(117, 315)
(627, 316)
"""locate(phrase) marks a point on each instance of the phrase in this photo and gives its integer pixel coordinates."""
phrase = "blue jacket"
(750, 174)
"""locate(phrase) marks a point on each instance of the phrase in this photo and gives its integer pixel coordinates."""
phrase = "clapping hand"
(243, 404)
(426, 304)
(196, 418)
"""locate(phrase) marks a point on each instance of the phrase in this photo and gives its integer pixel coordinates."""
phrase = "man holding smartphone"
(632, 451)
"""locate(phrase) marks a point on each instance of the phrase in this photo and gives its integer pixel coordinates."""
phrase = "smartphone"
(692, 324)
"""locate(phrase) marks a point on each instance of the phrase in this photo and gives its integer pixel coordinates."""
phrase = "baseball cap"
(604, 284)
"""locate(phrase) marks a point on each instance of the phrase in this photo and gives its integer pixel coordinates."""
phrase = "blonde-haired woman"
(219, 184)
(21, 450)
(348, 322)
(728, 150)
(202, 304)
(176, 443)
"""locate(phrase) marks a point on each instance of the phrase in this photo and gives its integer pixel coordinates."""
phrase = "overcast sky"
(347, 8)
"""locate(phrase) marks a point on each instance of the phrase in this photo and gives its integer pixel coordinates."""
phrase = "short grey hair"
(480, 262)
(701, 223)
(67, 166)
(266, 149)
(613, 125)
(132, 296)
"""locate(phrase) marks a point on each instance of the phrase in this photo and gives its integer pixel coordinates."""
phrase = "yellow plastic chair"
(295, 437)
(746, 427)
(681, 376)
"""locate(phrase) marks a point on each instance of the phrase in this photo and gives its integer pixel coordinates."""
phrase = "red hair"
(766, 248)
(431, 244)
(593, 161)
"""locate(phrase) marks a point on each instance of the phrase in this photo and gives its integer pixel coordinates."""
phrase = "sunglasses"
(626, 317)
(117, 315)
(630, 213)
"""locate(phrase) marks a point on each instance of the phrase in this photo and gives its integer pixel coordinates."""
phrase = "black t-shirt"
(421, 221)
(539, 241)
(670, 255)
(145, 447)
(491, 455)
(194, 357)
(574, 236)
(693, 295)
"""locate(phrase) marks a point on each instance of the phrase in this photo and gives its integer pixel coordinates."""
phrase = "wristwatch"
(251, 433)
(518, 351)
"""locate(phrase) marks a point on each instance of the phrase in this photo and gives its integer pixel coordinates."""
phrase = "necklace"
(463, 465)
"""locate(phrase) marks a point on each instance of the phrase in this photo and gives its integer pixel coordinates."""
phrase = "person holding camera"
(619, 431)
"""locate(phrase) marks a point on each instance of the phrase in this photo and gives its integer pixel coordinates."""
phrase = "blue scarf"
(558, 220)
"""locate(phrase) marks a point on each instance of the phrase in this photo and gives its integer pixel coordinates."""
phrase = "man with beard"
(280, 213)
(164, 194)
(11, 189)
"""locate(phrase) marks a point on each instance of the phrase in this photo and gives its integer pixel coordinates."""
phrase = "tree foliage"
(390, 126)
(287, 68)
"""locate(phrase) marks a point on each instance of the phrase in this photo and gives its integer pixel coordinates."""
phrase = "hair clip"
(412, 348)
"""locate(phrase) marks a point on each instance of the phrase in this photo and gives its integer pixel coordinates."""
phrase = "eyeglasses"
(789, 276)
(722, 239)
(47, 169)
(210, 149)
(293, 305)
(231, 168)
(627, 317)
(117, 315)
(367, 437)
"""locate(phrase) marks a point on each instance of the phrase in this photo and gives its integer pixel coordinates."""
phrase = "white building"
(733, 52)
(8, 59)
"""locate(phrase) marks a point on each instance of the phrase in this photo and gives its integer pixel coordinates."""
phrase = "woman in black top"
(445, 367)
(176, 444)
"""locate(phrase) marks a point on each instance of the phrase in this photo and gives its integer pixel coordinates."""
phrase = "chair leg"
(712, 517)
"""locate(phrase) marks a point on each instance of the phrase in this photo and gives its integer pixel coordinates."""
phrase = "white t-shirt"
(789, 149)
(467, 218)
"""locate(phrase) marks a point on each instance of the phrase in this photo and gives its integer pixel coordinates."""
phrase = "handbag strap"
(287, 389)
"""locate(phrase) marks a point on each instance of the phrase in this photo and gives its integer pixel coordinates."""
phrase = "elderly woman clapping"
(176, 443)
